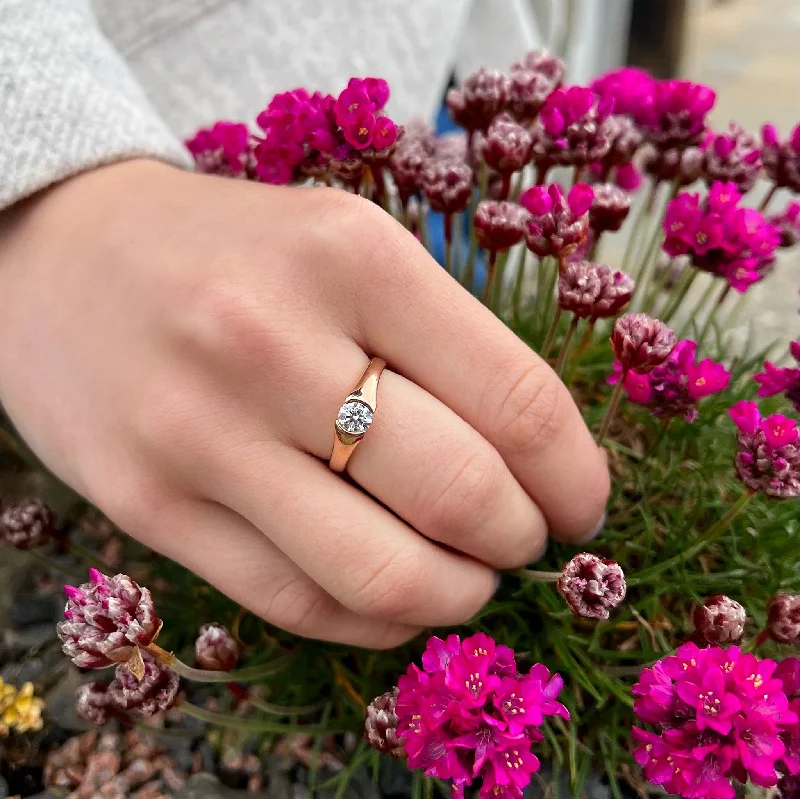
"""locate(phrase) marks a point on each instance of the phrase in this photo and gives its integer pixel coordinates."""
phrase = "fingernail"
(498, 581)
(598, 527)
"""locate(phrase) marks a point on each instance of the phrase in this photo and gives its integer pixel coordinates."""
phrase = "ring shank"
(366, 391)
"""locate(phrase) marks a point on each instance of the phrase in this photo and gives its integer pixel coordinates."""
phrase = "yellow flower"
(20, 710)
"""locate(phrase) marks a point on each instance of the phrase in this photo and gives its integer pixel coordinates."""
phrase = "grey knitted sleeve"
(68, 102)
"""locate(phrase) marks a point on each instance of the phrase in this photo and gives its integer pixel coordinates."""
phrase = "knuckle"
(394, 588)
(293, 606)
(532, 411)
(469, 498)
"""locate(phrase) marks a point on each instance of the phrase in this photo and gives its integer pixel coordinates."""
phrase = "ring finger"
(430, 467)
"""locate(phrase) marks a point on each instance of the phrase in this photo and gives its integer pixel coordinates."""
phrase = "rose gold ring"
(355, 415)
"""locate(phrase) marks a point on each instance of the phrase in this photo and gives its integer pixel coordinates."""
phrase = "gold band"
(355, 415)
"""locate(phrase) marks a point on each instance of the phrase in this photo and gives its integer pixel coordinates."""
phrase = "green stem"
(612, 408)
(633, 239)
(201, 675)
(766, 201)
(487, 287)
(551, 335)
(254, 725)
(468, 276)
(712, 314)
(658, 287)
(562, 356)
(541, 287)
(281, 710)
(698, 308)
(643, 274)
(708, 538)
(549, 290)
(516, 297)
(537, 576)
(680, 295)
(499, 282)
(422, 224)
(516, 191)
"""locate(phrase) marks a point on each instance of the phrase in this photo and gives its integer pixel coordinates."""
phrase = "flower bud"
(783, 618)
(720, 620)
(215, 648)
(447, 185)
(27, 524)
(475, 103)
(641, 343)
(92, 702)
(380, 726)
(154, 692)
(609, 209)
(593, 291)
(106, 619)
(506, 146)
(592, 586)
(499, 225)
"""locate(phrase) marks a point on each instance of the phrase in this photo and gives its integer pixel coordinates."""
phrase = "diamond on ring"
(354, 418)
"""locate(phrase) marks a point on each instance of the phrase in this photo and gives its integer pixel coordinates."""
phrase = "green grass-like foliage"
(670, 486)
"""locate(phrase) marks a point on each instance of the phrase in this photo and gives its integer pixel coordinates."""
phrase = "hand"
(176, 347)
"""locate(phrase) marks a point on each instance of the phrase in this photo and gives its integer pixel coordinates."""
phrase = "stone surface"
(354, 417)
(207, 786)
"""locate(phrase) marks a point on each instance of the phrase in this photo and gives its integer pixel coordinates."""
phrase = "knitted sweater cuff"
(68, 102)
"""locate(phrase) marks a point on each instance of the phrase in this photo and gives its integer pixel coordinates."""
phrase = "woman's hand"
(176, 347)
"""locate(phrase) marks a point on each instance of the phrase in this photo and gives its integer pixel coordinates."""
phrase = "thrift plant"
(668, 653)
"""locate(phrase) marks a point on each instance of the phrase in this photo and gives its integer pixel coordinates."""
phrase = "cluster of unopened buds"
(112, 621)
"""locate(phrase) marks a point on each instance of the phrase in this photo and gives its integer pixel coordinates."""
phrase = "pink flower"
(105, 619)
(768, 459)
(732, 156)
(675, 113)
(781, 380)
(788, 223)
(782, 158)
(630, 89)
(468, 714)
(557, 223)
(788, 672)
(729, 241)
(224, 149)
(720, 715)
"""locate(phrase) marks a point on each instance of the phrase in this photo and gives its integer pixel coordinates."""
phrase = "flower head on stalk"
(626, 138)
(592, 291)
(720, 714)
(641, 343)
(380, 725)
(225, 149)
(156, 690)
(506, 146)
(629, 88)
(478, 100)
(781, 380)
(768, 460)
(781, 157)
(609, 209)
(499, 225)
(788, 223)
(676, 165)
(557, 223)
(674, 115)
(676, 386)
(783, 618)
(543, 62)
(729, 241)
(469, 714)
(92, 702)
(446, 184)
(527, 92)
(732, 157)
(592, 586)
(720, 620)
(106, 619)
(27, 524)
(573, 129)
(215, 648)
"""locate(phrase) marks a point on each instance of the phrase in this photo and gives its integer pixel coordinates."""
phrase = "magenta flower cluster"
(781, 157)
(721, 715)
(303, 135)
(729, 241)
(781, 380)
(558, 223)
(676, 386)
(224, 149)
(468, 714)
(768, 459)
